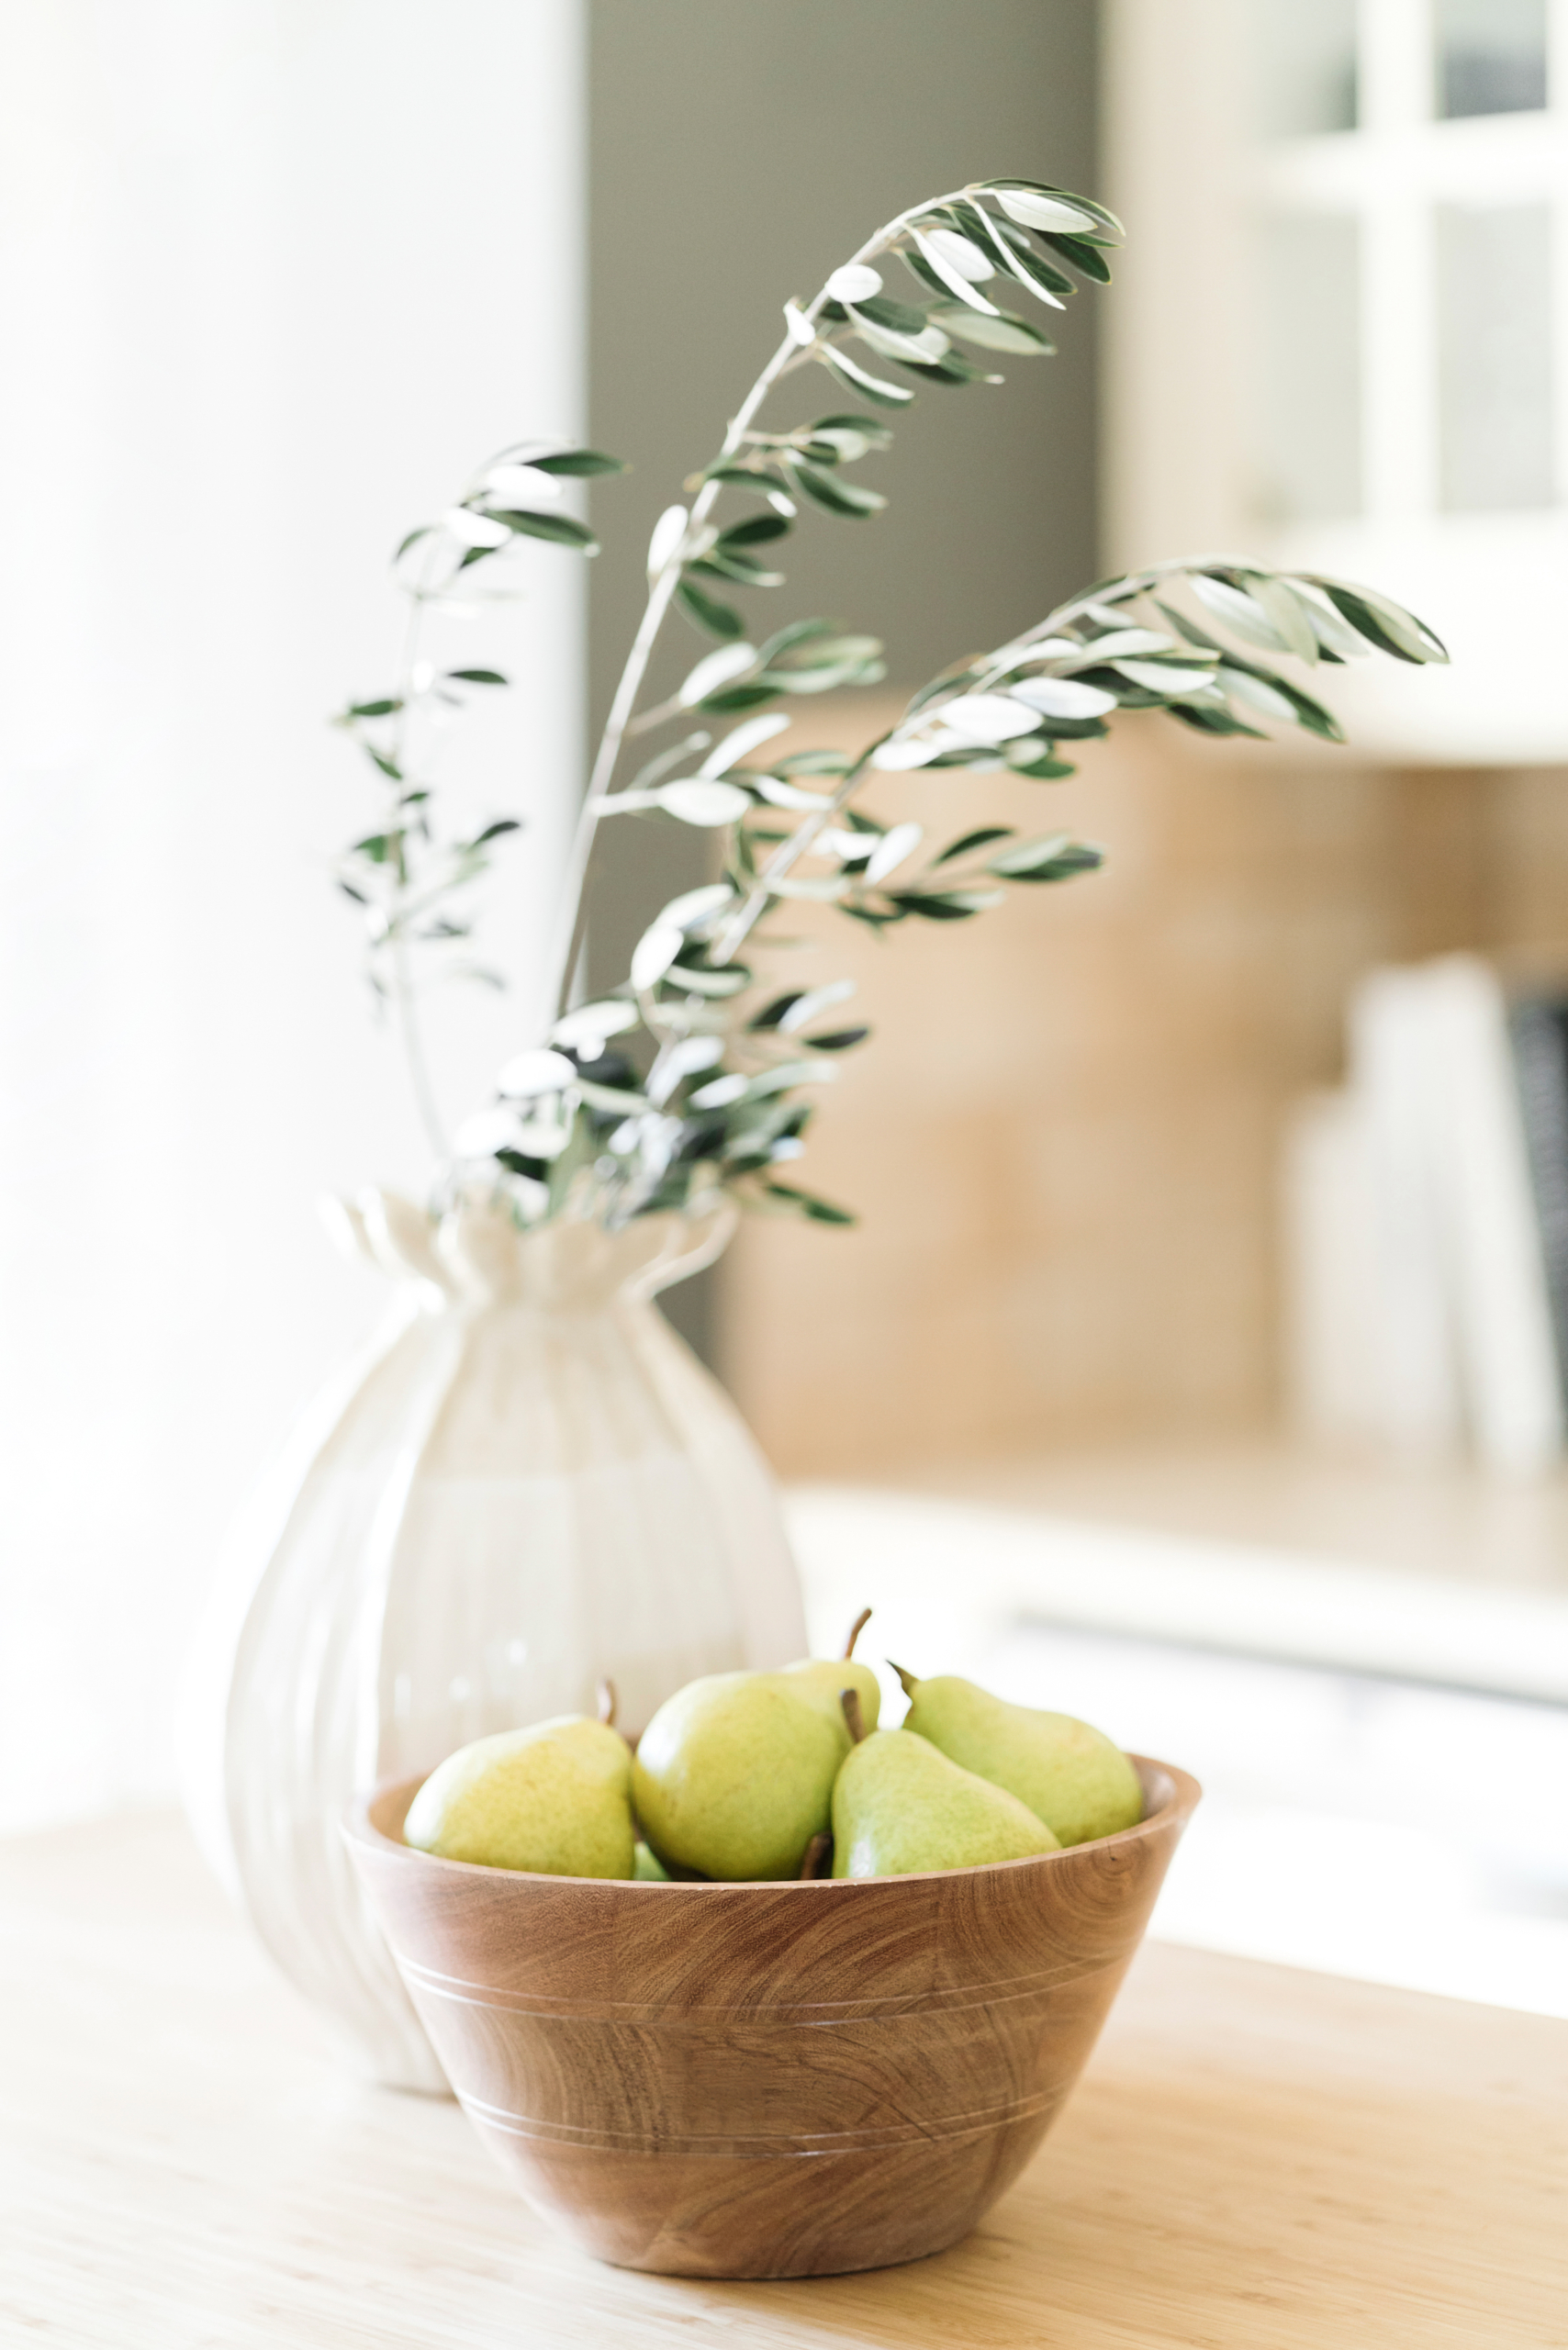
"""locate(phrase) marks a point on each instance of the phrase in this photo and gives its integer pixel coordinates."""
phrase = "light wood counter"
(1434, 1575)
(1256, 2159)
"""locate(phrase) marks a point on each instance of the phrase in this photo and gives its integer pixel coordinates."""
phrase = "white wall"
(276, 274)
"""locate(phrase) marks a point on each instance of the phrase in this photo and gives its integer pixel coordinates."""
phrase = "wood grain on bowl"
(768, 2080)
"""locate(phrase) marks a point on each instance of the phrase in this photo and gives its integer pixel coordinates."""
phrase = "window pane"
(1494, 326)
(1309, 385)
(1306, 67)
(1491, 56)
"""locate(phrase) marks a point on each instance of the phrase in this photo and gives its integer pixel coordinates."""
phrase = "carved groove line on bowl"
(884, 2080)
(670, 2014)
(757, 2145)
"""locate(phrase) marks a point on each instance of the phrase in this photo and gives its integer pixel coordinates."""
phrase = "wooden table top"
(1256, 2159)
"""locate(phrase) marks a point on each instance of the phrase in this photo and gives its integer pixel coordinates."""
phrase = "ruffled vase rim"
(478, 1255)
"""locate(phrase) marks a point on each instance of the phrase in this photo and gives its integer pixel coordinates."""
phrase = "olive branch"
(704, 1090)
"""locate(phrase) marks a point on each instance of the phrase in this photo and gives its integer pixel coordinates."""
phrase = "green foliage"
(707, 612)
(711, 1084)
(409, 881)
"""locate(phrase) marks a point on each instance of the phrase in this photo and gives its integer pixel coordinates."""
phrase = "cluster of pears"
(742, 1776)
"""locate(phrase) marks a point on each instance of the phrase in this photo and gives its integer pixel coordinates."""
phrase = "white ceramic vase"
(528, 1482)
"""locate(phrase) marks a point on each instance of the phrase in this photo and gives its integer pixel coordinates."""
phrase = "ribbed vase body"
(530, 1482)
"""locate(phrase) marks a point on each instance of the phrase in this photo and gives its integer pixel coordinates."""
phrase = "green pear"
(554, 1799)
(1070, 1775)
(900, 1807)
(648, 1867)
(734, 1775)
(824, 1680)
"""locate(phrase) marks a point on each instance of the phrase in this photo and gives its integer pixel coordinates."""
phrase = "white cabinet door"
(1340, 338)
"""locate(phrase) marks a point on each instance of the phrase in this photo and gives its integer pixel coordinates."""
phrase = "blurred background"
(1131, 1392)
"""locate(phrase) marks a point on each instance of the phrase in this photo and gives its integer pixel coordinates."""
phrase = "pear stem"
(850, 1700)
(855, 1631)
(607, 1702)
(817, 1851)
(911, 1680)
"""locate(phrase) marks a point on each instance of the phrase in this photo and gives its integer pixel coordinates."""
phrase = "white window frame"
(1184, 166)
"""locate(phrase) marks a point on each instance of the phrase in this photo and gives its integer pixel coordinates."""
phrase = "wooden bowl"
(767, 2080)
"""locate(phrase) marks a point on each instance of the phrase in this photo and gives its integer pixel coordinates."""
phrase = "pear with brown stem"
(900, 1807)
(734, 1775)
(823, 1678)
(1069, 1775)
(554, 1799)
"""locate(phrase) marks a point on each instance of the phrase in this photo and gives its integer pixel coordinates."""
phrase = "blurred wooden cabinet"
(1339, 338)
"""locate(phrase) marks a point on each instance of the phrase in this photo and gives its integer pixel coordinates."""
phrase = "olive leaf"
(711, 1084)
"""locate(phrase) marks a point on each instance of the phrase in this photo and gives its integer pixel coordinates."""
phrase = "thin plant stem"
(786, 855)
(789, 853)
(405, 996)
(572, 921)
(572, 925)
(414, 1050)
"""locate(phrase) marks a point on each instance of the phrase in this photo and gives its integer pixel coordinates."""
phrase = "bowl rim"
(358, 1826)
